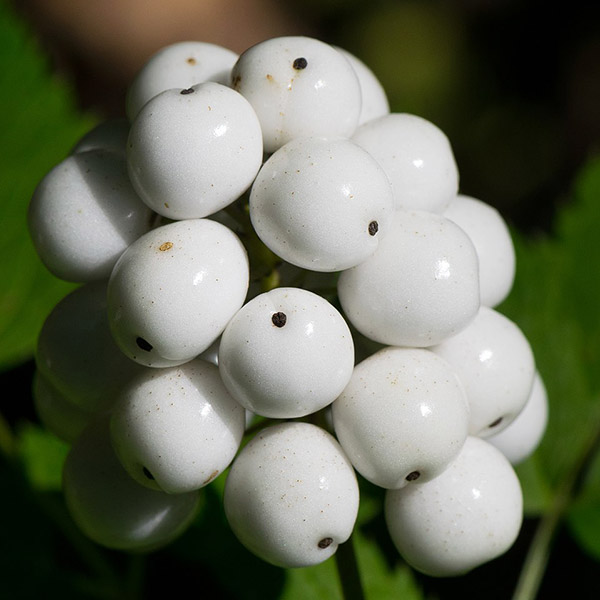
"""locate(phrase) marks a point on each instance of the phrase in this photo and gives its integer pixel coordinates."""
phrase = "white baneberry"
(77, 353)
(56, 413)
(468, 515)
(492, 239)
(519, 440)
(109, 134)
(110, 507)
(194, 151)
(495, 363)
(419, 287)
(416, 156)
(291, 495)
(299, 86)
(179, 65)
(322, 204)
(173, 291)
(84, 213)
(287, 353)
(176, 429)
(375, 102)
(403, 417)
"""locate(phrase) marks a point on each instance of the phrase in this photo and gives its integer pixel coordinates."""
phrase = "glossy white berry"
(193, 151)
(467, 516)
(83, 215)
(291, 495)
(110, 134)
(176, 429)
(519, 440)
(420, 286)
(299, 86)
(77, 353)
(110, 507)
(287, 353)
(492, 240)
(179, 65)
(375, 102)
(173, 291)
(57, 414)
(494, 360)
(403, 417)
(322, 204)
(416, 156)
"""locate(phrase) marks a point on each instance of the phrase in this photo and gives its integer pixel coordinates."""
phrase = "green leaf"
(555, 301)
(380, 580)
(39, 123)
(43, 455)
(319, 581)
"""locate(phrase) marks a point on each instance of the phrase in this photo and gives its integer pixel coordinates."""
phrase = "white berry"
(176, 429)
(467, 516)
(494, 360)
(58, 415)
(299, 86)
(375, 102)
(83, 215)
(492, 240)
(193, 151)
(287, 353)
(403, 417)
(77, 353)
(173, 291)
(322, 204)
(110, 134)
(291, 495)
(420, 286)
(519, 440)
(416, 156)
(110, 507)
(179, 65)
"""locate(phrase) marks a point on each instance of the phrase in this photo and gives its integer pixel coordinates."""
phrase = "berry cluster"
(280, 280)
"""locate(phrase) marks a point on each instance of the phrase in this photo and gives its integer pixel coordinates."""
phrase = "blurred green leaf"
(319, 581)
(39, 123)
(380, 580)
(537, 494)
(555, 301)
(43, 455)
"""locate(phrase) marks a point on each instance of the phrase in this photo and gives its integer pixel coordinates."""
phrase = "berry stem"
(348, 571)
(534, 565)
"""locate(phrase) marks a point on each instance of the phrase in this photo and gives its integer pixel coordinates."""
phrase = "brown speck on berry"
(495, 423)
(373, 227)
(325, 542)
(187, 91)
(166, 246)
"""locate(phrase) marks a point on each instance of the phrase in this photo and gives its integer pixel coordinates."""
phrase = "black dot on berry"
(496, 423)
(143, 344)
(412, 476)
(300, 63)
(147, 473)
(187, 91)
(279, 319)
(373, 227)
(325, 542)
